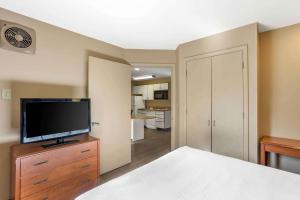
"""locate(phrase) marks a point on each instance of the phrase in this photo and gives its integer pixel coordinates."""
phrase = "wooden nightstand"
(283, 146)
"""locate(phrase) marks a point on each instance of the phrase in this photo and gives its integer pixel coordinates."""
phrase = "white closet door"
(227, 105)
(199, 103)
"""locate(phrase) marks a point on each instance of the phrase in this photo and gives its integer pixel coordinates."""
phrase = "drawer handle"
(45, 198)
(84, 151)
(85, 166)
(40, 182)
(85, 181)
(40, 163)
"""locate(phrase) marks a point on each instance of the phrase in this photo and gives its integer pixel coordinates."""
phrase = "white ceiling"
(158, 72)
(156, 24)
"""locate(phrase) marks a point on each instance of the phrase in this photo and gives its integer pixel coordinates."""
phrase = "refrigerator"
(137, 102)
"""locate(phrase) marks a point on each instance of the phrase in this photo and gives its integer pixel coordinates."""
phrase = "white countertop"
(142, 117)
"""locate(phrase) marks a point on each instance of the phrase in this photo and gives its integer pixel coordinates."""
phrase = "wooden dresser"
(57, 173)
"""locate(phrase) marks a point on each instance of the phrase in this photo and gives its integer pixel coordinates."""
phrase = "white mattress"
(188, 174)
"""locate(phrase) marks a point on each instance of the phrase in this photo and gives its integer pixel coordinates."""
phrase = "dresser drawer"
(83, 151)
(37, 163)
(31, 185)
(67, 190)
(41, 163)
(75, 153)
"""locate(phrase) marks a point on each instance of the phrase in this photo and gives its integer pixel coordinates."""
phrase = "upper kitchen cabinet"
(148, 90)
(137, 90)
(141, 89)
(156, 87)
(144, 91)
(164, 86)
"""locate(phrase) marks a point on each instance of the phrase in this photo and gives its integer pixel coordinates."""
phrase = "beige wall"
(57, 69)
(280, 87)
(246, 35)
(59, 65)
(150, 56)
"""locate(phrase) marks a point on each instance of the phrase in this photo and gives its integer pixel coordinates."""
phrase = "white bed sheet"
(188, 174)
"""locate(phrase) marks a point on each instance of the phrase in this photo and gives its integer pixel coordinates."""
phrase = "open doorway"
(151, 106)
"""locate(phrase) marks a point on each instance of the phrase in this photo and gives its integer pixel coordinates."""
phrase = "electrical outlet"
(6, 94)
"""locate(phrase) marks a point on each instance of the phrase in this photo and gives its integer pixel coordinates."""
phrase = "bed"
(188, 174)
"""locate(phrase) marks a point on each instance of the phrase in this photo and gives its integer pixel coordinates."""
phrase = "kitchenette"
(150, 107)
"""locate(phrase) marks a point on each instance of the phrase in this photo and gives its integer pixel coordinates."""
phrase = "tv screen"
(47, 119)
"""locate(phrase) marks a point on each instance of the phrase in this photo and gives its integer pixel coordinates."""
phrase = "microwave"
(161, 94)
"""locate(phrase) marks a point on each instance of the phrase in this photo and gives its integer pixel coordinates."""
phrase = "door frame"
(172, 66)
(244, 50)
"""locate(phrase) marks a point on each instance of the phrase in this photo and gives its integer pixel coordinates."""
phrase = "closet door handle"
(208, 122)
(214, 123)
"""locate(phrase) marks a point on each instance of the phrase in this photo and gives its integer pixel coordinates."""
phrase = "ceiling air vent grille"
(16, 37)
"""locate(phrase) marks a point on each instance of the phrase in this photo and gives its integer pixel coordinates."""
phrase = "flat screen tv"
(54, 119)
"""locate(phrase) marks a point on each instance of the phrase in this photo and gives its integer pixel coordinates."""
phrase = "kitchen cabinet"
(164, 86)
(162, 119)
(148, 90)
(161, 86)
(150, 123)
(137, 89)
(156, 87)
(144, 91)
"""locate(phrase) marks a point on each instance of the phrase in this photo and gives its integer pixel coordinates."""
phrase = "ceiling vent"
(16, 37)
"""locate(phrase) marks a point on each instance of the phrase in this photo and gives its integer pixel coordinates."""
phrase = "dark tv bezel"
(62, 135)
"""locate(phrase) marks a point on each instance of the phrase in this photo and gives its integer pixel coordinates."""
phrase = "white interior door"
(227, 105)
(109, 87)
(199, 103)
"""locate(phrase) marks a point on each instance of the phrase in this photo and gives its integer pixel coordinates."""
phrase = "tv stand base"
(60, 141)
